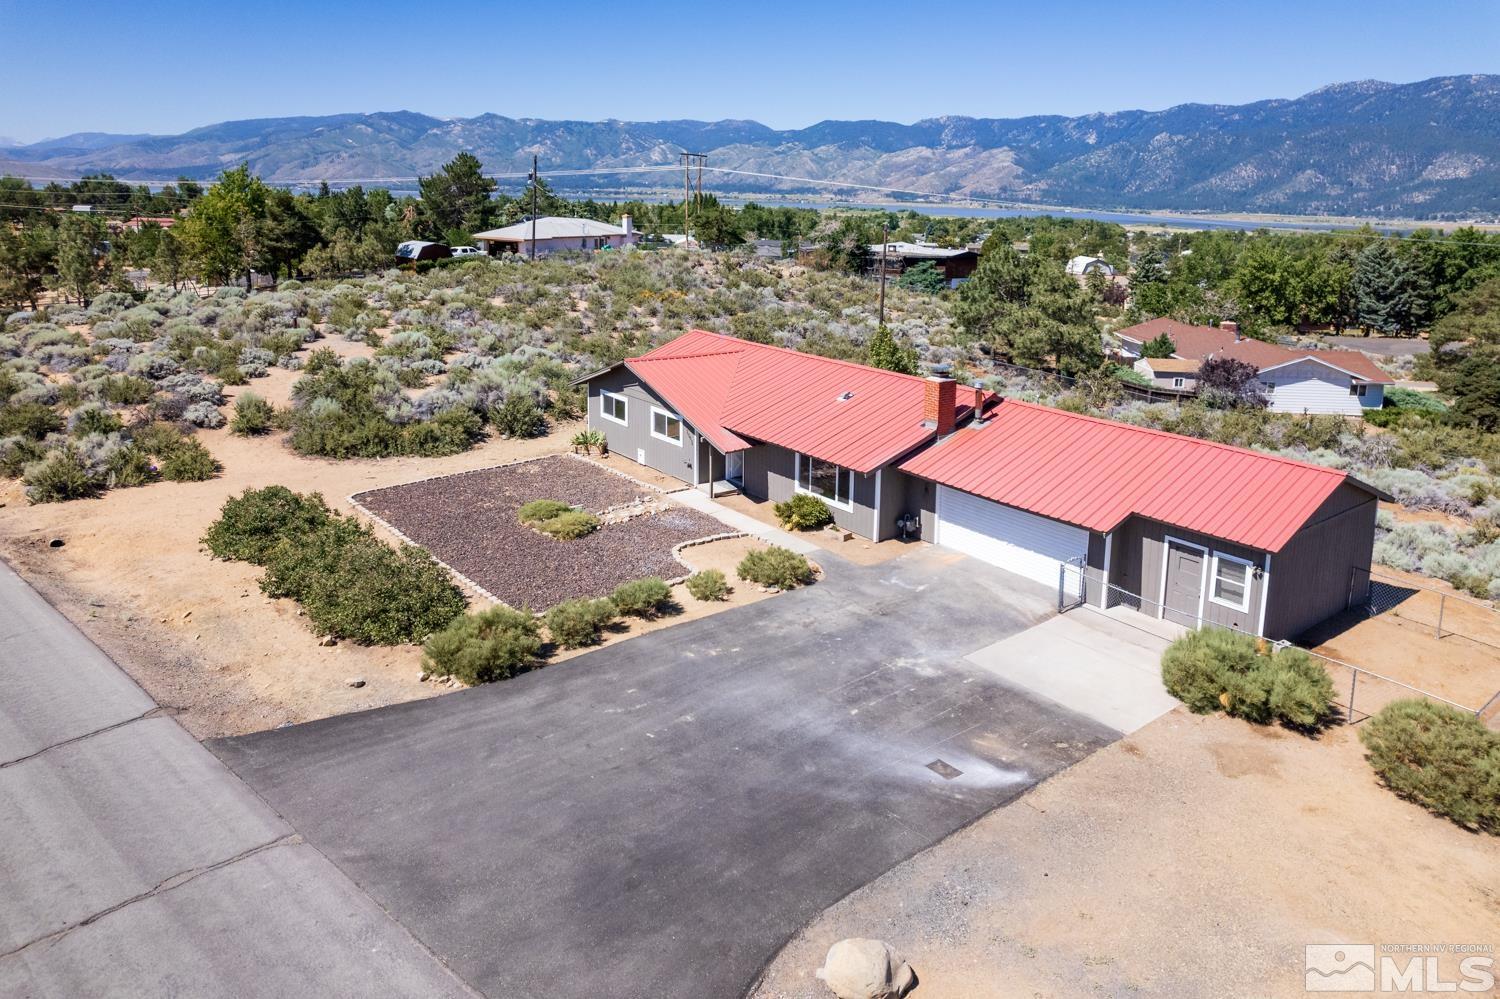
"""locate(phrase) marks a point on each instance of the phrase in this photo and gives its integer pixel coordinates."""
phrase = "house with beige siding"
(1108, 513)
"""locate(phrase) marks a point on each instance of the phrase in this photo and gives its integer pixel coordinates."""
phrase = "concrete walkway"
(744, 522)
(1106, 666)
(133, 863)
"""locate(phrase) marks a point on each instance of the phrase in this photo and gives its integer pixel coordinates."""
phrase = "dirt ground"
(197, 633)
(1195, 858)
(860, 551)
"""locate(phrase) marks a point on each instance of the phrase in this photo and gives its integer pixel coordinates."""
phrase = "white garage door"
(1011, 539)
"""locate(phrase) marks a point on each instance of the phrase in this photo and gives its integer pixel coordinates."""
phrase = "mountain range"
(1416, 150)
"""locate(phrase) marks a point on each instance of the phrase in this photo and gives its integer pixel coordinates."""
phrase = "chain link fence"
(1444, 614)
(1359, 692)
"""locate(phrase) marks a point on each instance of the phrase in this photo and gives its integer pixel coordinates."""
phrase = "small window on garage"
(1231, 582)
(666, 426)
(612, 407)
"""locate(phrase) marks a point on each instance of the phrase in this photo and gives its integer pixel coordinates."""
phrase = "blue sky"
(155, 66)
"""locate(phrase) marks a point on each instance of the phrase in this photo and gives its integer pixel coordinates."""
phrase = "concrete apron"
(1100, 665)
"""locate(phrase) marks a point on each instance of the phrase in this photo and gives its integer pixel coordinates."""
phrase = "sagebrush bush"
(252, 415)
(576, 623)
(29, 419)
(1215, 669)
(776, 566)
(59, 477)
(493, 644)
(642, 597)
(707, 585)
(803, 513)
(252, 523)
(518, 416)
(569, 526)
(1442, 758)
(189, 461)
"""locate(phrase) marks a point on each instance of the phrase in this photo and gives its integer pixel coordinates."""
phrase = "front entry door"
(734, 467)
(1183, 599)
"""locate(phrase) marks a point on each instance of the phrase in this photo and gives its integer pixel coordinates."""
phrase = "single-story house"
(1107, 512)
(1345, 382)
(556, 235)
(954, 263)
(1172, 374)
(1082, 267)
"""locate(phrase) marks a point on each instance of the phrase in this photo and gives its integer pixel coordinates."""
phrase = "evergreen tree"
(884, 351)
(456, 198)
(26, 255)
(923, 277)
(79, 237)
(1029, 310)
(1389, 292)
(1159, 346)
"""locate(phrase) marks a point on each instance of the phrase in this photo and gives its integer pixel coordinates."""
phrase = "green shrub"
(19, 453)
(518, 416)
(642, 597)
(450, 432)
(590, 440)
(1301, 690)
(126, 390)
(537, 511)
(803, 513)
(94, 420)
(576, 623)
(251, 524)
(1443, 759)
(708, 585)
(29, 419)
(59, 477)
(1215, 669)
(189, 461)
(493, 644)
(354, 586)
(129, 466)
(775, 566)
(252, 415)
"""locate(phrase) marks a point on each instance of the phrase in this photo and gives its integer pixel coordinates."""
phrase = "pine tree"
(885, 352)
(1389, 292)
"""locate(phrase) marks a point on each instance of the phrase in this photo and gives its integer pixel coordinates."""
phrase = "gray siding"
(770, 474)
(1311, 576)
(628, 441)
(1136, 560)
(921, 499)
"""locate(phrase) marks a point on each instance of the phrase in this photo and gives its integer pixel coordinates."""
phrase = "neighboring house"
(1345, 382)
(1082, 267)
(164, 221)
(1173, 374)
(557, 235)
(771, 249)
(1200, 530)
(955, 264)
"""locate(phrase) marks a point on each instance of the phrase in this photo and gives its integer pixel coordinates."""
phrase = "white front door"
(734, 467)
(1011, 539)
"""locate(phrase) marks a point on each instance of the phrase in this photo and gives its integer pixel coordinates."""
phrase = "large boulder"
(866, 969)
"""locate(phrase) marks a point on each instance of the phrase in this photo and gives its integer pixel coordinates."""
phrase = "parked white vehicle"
(466, 251)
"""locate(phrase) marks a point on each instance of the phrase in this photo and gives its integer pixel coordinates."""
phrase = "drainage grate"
(944, 769)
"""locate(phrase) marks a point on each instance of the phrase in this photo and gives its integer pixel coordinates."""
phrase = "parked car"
(418, 249)
(467, 251)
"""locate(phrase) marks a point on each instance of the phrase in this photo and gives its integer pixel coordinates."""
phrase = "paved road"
(658, 817)
(132, 863)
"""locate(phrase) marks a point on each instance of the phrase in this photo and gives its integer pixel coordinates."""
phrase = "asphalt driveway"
(658, 817)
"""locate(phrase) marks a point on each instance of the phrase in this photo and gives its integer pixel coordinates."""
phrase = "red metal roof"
(733, 390)
(1095, 473)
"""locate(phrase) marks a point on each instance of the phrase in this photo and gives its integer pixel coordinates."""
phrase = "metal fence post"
(1442, 602)
(1353, 683)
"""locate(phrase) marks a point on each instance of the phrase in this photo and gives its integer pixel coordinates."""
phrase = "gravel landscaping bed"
(469, 521)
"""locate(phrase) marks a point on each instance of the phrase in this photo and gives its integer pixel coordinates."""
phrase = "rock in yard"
(355, 681)
(327, 641)
(858, 968)
(423, 676)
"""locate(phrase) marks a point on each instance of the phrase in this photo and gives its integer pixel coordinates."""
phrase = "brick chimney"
(939, 403)
(1230, 326)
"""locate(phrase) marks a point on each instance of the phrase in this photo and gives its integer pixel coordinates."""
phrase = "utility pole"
(689, 160)
(884, 238)
(534, 181)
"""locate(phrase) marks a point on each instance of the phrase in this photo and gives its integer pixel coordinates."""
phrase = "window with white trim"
(612, 406)
(1177, 382)
(666, 426)
(1358, 389)
(833, 484)
(1231, 582)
